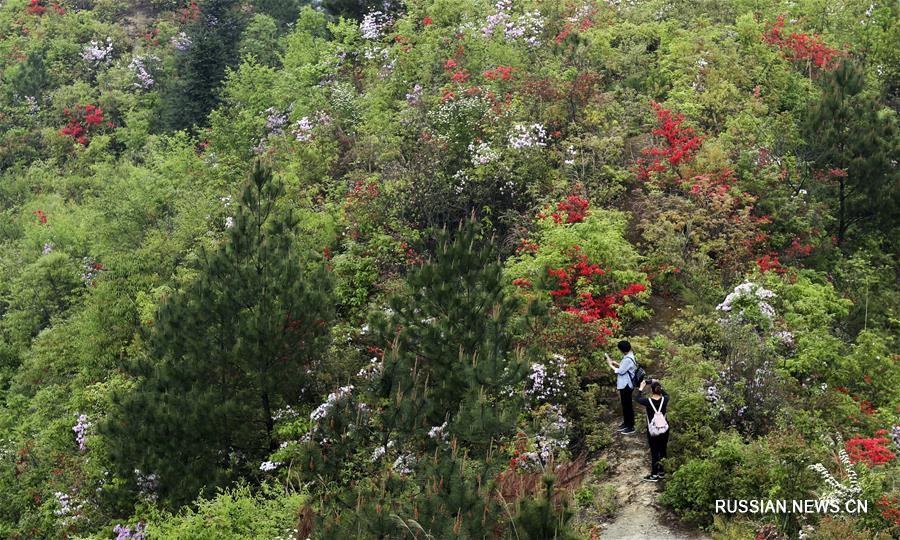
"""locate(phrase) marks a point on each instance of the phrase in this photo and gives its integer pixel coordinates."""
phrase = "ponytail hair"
(656, 387)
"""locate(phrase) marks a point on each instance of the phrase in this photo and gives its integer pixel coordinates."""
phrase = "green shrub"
(240, 513)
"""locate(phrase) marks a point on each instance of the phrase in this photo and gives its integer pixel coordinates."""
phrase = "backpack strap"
(634, 366)
(661, 401)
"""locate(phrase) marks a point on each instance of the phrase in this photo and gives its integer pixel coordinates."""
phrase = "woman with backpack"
(657, 426)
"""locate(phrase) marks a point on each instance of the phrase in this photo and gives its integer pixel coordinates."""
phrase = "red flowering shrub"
(500, 72)
(718, 215)
(151, 37)
(889, 509)
(680, 144)
(581, 20)
(42, 217)
(767, 263)
(35, 8)
(572, 210)
(526, 246)
(191, 12)
(872, 452)
(580, 290)
(798, 46)
(360, 207)
(577, 261)
(83, 121)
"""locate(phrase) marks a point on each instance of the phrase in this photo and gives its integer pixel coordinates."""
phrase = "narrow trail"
(639, 515)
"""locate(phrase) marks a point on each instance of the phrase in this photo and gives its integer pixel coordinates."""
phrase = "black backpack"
(639, 375)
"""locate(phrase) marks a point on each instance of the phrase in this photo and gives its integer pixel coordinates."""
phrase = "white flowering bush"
(98, 52)
(524, 136)
(836, 490)
(547, 381)
(748, 302)
(482, 153)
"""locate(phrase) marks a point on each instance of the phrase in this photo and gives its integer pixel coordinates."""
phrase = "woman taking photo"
(657, 426)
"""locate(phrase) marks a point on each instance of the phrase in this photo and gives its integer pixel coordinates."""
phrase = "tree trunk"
(270, 423)
(842, 209)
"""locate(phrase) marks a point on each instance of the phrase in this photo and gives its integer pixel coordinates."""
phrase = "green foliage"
(133, 296)
(238, 342)
(260, 40)
(538, 518)
(214, 36)
(772, 468)
(852, 138)
(451, 355)
(263, 512)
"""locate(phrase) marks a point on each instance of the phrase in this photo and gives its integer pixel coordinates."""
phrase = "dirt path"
(640, 516)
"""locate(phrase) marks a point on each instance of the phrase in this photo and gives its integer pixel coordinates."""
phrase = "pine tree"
(453, 500)
(543, 519)
(30, 78)
(451, 355)
(214, 36)
(852, 139)
(450, 363)
(229, 349)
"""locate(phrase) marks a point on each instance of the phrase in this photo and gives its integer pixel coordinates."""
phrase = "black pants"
(657, 451)
(627, 407)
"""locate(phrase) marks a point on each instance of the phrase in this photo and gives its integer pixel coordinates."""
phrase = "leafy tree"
(260, 40)
(237, 343)
(852, 140)
(283, 11)
(46, 290)
(351, 9)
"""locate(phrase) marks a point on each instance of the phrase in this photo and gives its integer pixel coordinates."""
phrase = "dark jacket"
(645, 401)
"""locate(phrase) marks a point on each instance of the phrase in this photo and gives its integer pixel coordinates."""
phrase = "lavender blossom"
(303, 129)
(32, 103)
(80, 428)
(404, 464)
(547, 381)
(373, 25)
(500, 17)
(97, 52)
(482, 153)
(438, 432)
(372, 370)
(267, 466)
(139, 64)
(65, 504)
(124, 532)
(182, 41)
(147, 484)
(749, 292)
(379, 452)
(325, 408)
(275, 121)
(527, 136)
(527, 27)
(414, 97)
